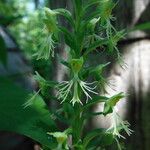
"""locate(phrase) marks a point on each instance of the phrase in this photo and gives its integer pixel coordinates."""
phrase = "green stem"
(78, 13)
(77, 125)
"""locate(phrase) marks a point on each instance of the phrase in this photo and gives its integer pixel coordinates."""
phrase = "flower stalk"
(76, 95)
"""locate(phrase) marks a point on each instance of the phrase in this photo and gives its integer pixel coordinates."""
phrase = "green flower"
(61, 138)
(63, 89)
(118, 124)
(48, 35)
(76, 65)
(66, 86)
(75, 98)
(46, 49)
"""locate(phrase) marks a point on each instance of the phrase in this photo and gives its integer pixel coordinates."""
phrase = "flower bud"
(51, 21)
(49, 12)
(61, 137)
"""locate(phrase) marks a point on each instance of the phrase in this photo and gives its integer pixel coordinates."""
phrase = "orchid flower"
(65, 87)
(49, 32)
(46, 49)
(117, 124)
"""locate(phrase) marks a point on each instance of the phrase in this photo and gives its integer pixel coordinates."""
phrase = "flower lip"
(118, 124)
(65, 87)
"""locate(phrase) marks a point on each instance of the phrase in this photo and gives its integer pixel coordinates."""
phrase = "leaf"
(66, 14)
(143, 26)
(7, 20)
(114, 99)
(95, 100)
(78, 7)
(33, 122)
(3, 51)
(90, 4)
(91, 135)
(107, 109)
(69, 38)
(96, 44)
(60, 117)
(111, 102)
(107, 139)
(95, 14)
(91, 114)
(97, 71)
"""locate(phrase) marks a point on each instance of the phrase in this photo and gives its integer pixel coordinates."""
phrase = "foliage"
(87, 32)
(90, 28)
(27, 32)
(3, 53)
(33, 121)
(11, 11)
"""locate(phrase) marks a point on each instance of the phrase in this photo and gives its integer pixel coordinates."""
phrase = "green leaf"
(92, 114)
(7, 20)
(66, 14)
(114, 99)
(59, 116)
(111, 102)
(91, 135)
(3, 51)
(69, 38)
(33, 122)
(96, 44)
(107, 139)
(95, 14)
(95, 100)
(97, 71)
(143, 26)
(78, 7)
(107, 109)
(90, 4)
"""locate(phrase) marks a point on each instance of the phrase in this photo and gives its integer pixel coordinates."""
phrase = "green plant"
(90, 28)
